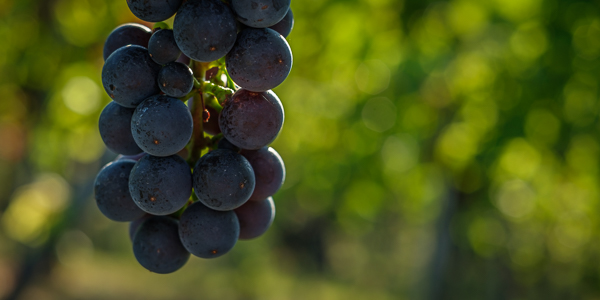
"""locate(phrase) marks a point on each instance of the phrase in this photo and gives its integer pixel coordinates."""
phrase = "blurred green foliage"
(434, 150)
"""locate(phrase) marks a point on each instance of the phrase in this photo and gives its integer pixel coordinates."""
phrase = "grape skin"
(115, 129)
(162, 47)
(154, 10)
(129, 75)
(255, 218)
(126, 34)
(208, 233)
(285, 26)
(260, 60)
(111, 191)
(162, 125)
(157, 247)
(260, 13)
(176, 79)
(205, 30)
(251, 120)
(223, 180)
(269, 172)
(160, 185)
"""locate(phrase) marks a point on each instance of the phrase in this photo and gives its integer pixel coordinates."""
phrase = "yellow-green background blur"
(434, 150)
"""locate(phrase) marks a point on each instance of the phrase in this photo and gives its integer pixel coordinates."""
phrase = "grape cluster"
(195, 178)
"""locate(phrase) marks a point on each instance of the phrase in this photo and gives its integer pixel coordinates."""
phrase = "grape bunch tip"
(195, 178)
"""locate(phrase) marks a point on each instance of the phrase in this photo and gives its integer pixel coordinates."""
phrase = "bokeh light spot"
(27, 218)
(515, 199)
(373, 77)
(529, 41)
(379, 114)
(73, 248)
(81, 95)
(399, 153)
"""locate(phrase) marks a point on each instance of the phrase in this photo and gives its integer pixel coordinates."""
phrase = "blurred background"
(434, 150)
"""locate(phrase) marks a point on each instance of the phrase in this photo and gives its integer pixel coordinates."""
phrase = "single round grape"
(251, 120)
(157, 247)
(260, 60)
(285, 26)
(111, 190)
(162, 47)
(223, 180)
(260, 13)
(115, 129)
(269, 172)
(208, 233)
(255, 218)
(160, 185)
(205, 30)
(134, 225)
(129, 75)
(154, 10)
(212, 126)
(161, 125)
(126, 34)
(176, 79)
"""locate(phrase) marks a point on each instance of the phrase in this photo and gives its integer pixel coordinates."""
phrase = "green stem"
(189, 95)
(197, 84)
(214, 104)
(221, 93)
(198, 140)
(198, 132)
(230, 83)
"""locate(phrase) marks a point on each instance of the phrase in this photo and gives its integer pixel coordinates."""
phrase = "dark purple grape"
(134, 225)
(111, 190)
(260, 60)
(154, 10)
(255, 218)
(162, 47)
(260, 13)
(212, 126)
(269, 171)
(176, 79)
(129, 75)
(251, 120)
(115, 129)
(157, 246)
(162, 125)
(160, 185)
(223, 180)
(208, 233)
(126, 34)
(225, 144)
(285, 26)
(205, 30)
